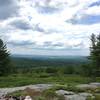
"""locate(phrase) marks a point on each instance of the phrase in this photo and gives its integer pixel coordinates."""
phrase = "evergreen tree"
(93, 49)
(95, 54)
(4, 59)
(98, 52)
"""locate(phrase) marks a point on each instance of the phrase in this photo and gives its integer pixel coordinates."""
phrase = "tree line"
(92, 69)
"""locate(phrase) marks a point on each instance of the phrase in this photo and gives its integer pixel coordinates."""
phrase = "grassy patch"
(34, 78)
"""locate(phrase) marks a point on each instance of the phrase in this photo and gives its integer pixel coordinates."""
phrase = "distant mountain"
(49, 56)
(45, 61)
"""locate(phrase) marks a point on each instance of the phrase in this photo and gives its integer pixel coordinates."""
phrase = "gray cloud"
(47, 43)
(21, 24)
(85, 19)
(58, 44)
(20, 43)
(8, 8)
(51, 44)
(79, 45)
(38, 28)
(46, 8)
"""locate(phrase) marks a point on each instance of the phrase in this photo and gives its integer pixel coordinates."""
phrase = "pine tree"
(98, 52)
(93, 48)
(4, 59)
(95, 54)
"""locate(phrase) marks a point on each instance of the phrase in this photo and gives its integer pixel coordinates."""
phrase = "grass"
(34, 78)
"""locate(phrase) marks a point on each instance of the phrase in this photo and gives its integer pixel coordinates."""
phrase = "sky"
(49, 27)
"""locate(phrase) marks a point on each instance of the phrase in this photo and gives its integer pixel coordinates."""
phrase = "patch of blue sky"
(87, 20)
(95, 4)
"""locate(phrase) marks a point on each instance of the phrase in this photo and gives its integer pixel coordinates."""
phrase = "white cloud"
(52, 25)
(94, 10)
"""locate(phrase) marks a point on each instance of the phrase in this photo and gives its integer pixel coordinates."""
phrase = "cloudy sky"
(49, 27)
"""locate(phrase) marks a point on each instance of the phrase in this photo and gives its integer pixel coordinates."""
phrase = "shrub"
(49, 94)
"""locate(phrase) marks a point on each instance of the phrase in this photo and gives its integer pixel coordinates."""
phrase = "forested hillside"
(48, 61)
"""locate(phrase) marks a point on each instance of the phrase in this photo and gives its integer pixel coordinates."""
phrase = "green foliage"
(86, 70)
(5, 65)
(90, 98)
(51, 70)
(69, 70)
(34, 62)
(68, 87)
(40, 98)
(61, 97)
(49, 93)
(34, 78)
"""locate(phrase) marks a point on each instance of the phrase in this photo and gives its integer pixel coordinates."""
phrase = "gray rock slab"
(40, 87)
(96, 84)
(64, 92)
(86, 86)
(74, 97)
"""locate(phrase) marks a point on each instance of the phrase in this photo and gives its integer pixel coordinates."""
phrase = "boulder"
(74, 97)
(85, 94)
(69, 95)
